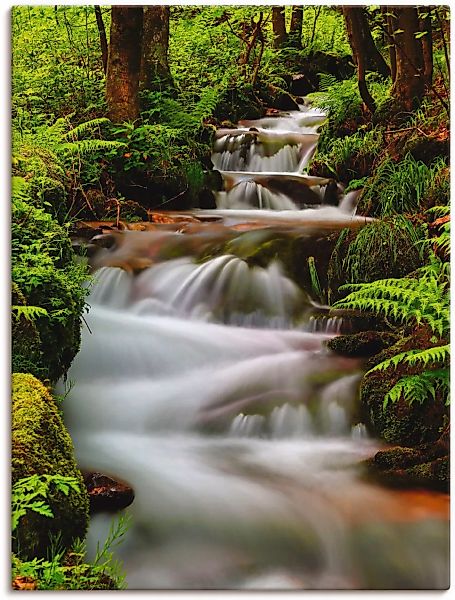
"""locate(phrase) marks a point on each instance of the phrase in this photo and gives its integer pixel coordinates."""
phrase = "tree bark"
(103, 38)
(388, 28)
(356, 40)
(357, 26)
(155, 72)
(409, 86)
(295, 31)
(280, 37)
(124, 60)
(427, 44)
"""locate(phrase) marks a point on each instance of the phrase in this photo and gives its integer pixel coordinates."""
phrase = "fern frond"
(77, 132)
(86, 147)
(417, 388)
(28, 312)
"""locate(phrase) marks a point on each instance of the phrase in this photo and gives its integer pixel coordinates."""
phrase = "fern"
(415, 388)
(28, 312)
(438, 354)
(326, 81)
(87, 147)
(83, 128)
(421, 300)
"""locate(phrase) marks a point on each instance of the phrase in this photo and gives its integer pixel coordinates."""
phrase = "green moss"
(42, 445)
(363, 344)
(26, 353)
(411, 467)
(400, 423)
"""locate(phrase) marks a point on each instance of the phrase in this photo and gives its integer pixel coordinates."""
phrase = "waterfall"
(204, 381)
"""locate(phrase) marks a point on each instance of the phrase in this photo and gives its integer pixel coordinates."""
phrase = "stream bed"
(203, 381)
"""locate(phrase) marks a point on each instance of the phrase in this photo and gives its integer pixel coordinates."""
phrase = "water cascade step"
(204, 382)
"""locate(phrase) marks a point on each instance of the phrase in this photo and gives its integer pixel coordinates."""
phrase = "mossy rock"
(400, 422)
(362, 344)
(41, 445)
(425, 466)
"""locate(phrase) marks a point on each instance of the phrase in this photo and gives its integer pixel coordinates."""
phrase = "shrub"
(47, 277)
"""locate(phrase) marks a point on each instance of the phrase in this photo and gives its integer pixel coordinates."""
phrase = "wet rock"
(363, 344)
(425, 466)
(399, 422)
(106, 494)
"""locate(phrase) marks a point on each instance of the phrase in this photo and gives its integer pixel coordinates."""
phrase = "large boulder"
(41, 445)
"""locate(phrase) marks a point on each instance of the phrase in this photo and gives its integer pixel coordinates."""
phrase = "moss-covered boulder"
(42, 445)
(46, 275)
(400, 422)
(426, 465)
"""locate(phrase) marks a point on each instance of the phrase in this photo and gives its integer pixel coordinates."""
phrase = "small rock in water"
(106, 494)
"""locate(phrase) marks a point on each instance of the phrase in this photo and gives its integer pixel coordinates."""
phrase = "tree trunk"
(388, 28)
(155, 72)
(124, 60)
(427, 44)
(295, 31)
(280, 37)
(409, 86)
(356, 41)
(357, 25)
(103, 38)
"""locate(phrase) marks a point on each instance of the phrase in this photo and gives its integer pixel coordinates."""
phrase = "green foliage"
(421, 299)
(352, 155)
(70, 571)
(31, 493)
(416, 388)
(401, 187)
(340, 98)
(57, 65)
(381, 248)
(28, 312)
(45, 272)
(315, 283)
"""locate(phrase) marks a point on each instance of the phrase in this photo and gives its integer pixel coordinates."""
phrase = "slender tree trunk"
(295, 31)
(409, 86)
(357, 25)
(279, 26)
(445, 32)
(317, 12)
(124, 60)
(155, 72)
(356, 41)
(103, 38)
(427, 44)
(388, 28)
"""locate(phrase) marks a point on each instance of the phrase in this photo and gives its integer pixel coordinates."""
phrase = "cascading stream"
(203, 381)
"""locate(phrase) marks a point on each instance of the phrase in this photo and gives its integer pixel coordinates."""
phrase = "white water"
(238, 431)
